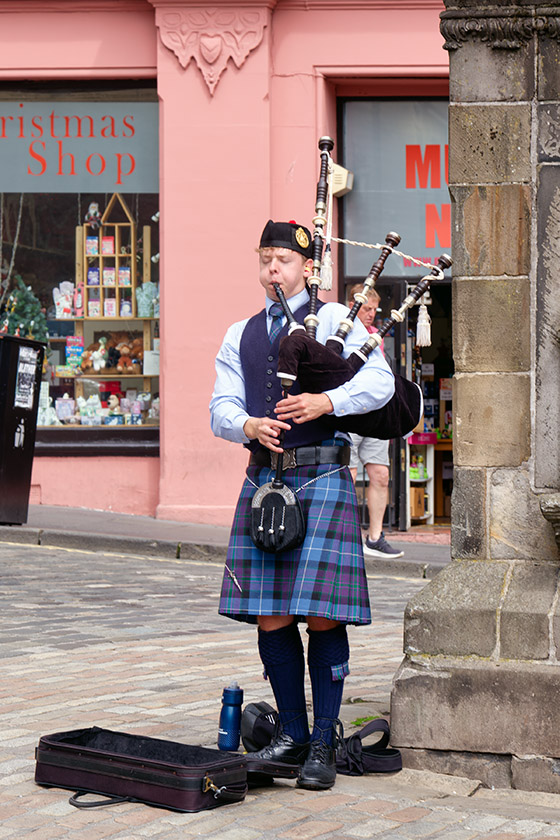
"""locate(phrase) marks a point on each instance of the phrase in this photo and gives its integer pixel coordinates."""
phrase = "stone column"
(477, 692)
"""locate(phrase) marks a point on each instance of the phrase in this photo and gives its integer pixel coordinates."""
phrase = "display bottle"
(230, 717)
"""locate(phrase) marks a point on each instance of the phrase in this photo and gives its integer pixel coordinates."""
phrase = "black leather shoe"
(282, 758)
(319, 770)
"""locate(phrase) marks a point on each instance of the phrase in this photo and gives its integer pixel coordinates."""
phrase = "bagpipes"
(319, 367)
(277, 521)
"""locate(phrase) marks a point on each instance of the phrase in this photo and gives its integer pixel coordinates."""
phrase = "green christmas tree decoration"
(23, 315)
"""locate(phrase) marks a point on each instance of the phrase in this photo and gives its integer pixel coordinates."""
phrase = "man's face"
(285, 267)
(367, 311)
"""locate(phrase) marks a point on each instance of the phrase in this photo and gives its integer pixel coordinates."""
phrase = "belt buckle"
(289, 460)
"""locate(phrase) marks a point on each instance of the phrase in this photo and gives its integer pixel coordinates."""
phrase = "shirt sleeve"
(373, 385)
(228, 407)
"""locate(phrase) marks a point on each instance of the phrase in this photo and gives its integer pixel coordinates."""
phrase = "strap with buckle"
(302, 456)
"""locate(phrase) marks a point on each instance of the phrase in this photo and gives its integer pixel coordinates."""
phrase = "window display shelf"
(421, 492)
(110, 374)
(110, 317)
(114, 318)
(97, 440)
(106, 266)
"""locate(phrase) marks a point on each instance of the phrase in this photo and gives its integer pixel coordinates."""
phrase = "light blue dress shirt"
(372, 386)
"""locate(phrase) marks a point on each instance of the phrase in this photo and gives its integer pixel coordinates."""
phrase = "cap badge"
(302, 238)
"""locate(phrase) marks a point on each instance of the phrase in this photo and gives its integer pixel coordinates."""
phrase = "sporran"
(277, 520)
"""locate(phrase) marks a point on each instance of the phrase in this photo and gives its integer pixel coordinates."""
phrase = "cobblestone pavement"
(135, 644)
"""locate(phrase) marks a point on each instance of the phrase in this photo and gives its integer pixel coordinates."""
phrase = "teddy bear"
(99, 356)
(137, 351)
(117, 337)
(138, 348)
(87, 356)
(113, 356)
(125, 362)
(86, 363)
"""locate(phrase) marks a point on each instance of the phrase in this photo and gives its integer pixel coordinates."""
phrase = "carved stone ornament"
(502, 28)
(212, 36)
(550, 508)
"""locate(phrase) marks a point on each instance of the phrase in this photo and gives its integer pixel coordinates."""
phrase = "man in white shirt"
(322, 581)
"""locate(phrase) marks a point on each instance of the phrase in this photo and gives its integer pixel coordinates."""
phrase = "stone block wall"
(476, 693)
(504, 180)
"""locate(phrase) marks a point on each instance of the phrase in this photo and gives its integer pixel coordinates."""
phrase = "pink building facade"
(245, 89)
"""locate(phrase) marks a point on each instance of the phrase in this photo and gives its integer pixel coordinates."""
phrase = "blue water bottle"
(230, 717)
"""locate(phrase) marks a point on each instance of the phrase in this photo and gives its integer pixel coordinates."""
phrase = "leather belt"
(302, 456)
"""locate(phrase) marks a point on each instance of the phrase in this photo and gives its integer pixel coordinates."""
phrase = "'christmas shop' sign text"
(78, 147)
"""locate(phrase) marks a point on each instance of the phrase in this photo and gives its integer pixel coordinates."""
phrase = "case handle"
(98, 803)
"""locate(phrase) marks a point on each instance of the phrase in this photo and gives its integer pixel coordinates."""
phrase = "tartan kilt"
(324, 577)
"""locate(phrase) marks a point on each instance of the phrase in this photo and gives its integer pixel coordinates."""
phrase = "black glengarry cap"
(287, 235)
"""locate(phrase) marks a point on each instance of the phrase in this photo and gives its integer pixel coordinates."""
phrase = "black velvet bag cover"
(319, 369)
(277, 520)
(396, 419)
(135, 768)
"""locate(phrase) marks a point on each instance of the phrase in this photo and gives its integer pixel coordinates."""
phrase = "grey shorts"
(368, 451)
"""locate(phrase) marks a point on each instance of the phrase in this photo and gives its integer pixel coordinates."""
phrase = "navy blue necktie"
(277, 314)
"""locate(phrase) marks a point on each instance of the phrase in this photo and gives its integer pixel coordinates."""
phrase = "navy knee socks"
(281, 653)
(327, 657)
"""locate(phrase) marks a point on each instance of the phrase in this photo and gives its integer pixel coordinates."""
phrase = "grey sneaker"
(381, 548)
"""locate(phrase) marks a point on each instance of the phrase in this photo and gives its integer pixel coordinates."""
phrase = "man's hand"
(265, 430)
(303, 407)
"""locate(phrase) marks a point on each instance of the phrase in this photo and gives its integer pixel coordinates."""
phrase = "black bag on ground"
(353, 759)
(135, 768)
(259, 723)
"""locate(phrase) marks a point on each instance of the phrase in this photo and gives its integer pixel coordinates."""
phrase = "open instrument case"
(137, 768)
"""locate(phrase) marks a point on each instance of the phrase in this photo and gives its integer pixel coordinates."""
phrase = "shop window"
(79, 257)
(397, 150)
